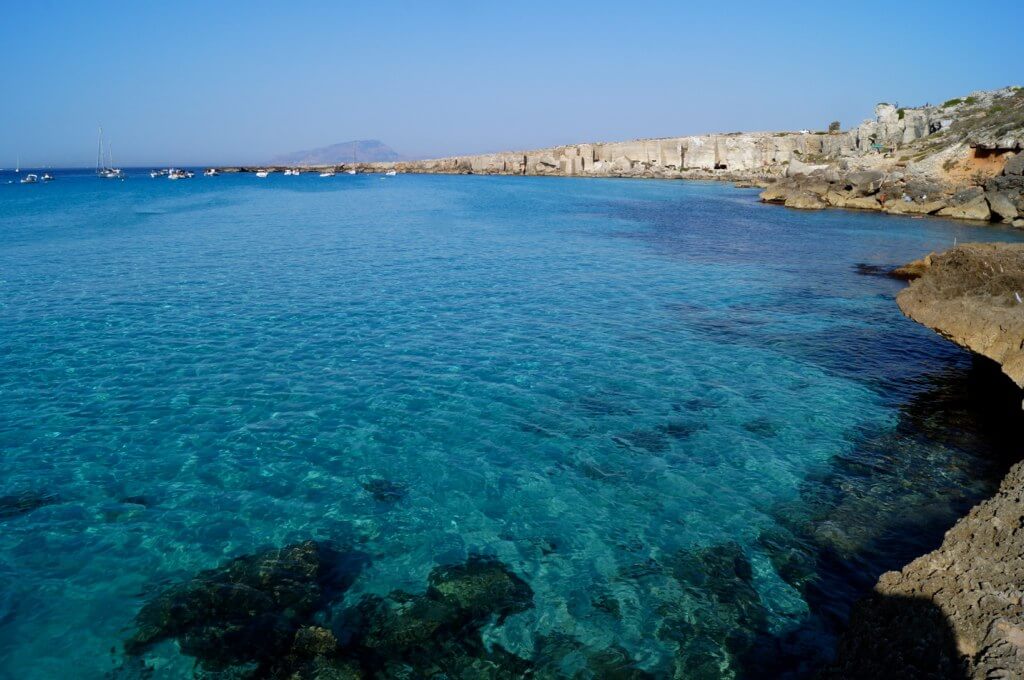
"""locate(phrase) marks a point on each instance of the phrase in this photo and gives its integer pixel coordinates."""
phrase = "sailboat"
(106, 170)
(17, 166)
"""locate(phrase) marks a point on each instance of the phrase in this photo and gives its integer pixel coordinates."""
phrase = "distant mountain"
(365, 151)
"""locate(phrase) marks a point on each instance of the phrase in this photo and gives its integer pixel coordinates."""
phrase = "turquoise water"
(604, 384)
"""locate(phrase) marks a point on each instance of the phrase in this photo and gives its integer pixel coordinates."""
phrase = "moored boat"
(210, 172)
(327, 173)
(262, 173)
(30, 179)
(47, 177)
(106, 170)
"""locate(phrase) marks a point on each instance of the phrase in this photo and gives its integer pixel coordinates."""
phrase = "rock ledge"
(974, 295)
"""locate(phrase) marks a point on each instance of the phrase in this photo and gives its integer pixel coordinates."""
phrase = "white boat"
(390, 173)
(174, 173)
(158, 173)
(291, 172)
(262, 173)
(350, 171)
(210, 172)
(30, 179)
(106, 170)
(327, 173)
(47, 177)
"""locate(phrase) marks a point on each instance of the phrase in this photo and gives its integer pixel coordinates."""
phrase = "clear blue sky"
(200, 82)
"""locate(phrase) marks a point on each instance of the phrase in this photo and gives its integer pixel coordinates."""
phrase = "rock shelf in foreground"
(957, 612)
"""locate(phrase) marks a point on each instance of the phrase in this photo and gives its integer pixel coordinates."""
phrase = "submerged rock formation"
(974, 295)
(275, 614)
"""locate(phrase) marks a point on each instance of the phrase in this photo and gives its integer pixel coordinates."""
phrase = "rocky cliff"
(974, 295)
(957, 612)
(953, 613)
(962, 158)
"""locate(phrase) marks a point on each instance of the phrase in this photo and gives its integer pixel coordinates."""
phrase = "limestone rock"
(974, 209)
(863, 203)
(953, 613)
(865, 182)
(972, 295)
(913, 270)
(912, 208)
(775, 193)
(805, 200)
(1003, 204)
(838, 199)
(798, 167)
(1015, 166)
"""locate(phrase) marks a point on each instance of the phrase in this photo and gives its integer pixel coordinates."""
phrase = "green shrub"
(952, 102)
(970, 100)
(900, 113)
(834, 126)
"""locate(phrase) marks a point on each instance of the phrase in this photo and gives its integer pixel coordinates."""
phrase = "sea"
(695, 425)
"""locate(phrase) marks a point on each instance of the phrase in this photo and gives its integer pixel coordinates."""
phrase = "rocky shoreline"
(957, 612)
(960, 159)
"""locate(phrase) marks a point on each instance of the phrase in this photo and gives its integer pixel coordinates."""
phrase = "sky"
(187, 82)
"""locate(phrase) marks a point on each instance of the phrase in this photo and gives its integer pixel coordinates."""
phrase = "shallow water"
(613, 387)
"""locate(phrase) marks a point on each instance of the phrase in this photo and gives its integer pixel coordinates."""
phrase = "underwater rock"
(651, 441)
(723, 616)
(385, 491)
(607, 603)
(437, 634)
(399, 623)
(314, 641)
(24, 502)
(481, 587)
(562, 656)
(248, 610)
(681, 429)
(144, 501)
(762, 427)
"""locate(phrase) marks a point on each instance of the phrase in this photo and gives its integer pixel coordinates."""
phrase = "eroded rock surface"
(974, 295)
(957, 612)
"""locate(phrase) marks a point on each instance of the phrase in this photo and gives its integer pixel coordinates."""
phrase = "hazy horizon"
(192, 84)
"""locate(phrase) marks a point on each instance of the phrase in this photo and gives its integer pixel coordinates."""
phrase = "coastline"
(957, 611)
(963, 159)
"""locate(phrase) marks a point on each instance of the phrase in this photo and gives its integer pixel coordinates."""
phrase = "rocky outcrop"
(969, 166)
(953, 613)
(974, 295)
(957, 612)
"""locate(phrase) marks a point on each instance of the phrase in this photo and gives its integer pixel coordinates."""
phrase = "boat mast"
(99, 152)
